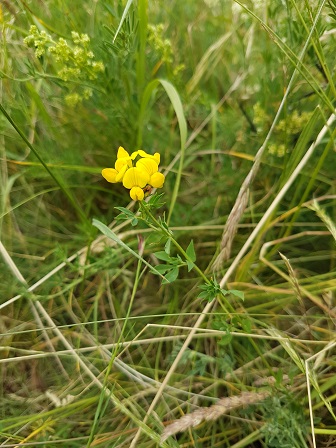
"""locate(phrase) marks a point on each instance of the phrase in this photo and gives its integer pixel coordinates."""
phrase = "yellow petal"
(123, 161)
(147, 164)
(142, 153)
(110, 175)
(134, 177)
(157, 180)
(122, 152)
(157, 158)
(121, 173)
(137, 194)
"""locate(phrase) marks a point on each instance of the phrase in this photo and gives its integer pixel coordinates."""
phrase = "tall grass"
(97, 350)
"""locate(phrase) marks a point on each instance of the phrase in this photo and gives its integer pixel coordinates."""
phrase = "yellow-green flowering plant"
(138, 172)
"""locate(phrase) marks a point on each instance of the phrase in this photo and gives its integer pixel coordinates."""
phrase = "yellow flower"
(123, 162)
(138, 178)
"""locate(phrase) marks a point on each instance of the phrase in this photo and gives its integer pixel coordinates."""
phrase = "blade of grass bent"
(178, 108)
(177, 105)
(123, 17)
(70, 197)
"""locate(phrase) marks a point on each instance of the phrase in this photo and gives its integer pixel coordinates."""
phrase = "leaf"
(161, 255)
(191, 251)
(204, 295)
(226, 339)
(112, 236)
(246, 324)
(155, 201)
(237, 293)
(125, 210)
(162, 268)
(171, 275)
(167, 246)
(279, 377)
(123, 17)
(126, 215)
(190, 265)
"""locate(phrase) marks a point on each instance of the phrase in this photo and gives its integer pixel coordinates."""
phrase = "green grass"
(238, 99)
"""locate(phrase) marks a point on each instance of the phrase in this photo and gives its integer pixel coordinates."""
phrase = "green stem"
(141, 56)
(176, 244)
(160, 227)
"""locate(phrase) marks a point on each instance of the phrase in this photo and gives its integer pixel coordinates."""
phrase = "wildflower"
(139, 178)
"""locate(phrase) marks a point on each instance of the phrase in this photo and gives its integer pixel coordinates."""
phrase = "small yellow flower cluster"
(74, 62)
(136, 178)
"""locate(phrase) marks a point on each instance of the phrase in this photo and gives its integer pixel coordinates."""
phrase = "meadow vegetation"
(204, 315)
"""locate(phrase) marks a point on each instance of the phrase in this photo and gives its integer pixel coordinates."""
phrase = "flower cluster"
(74, 62)
(137, 178)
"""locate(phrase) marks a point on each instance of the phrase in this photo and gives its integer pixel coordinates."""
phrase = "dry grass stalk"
(296, 286)
(231, 225)
(222, 407)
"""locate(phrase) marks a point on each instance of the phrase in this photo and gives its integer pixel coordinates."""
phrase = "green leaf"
(155, 201)
(203, 295)
(171, 275)
(161, 255)
(191, 251)
(226, 339)
(246, 324)
(237, 293)
(123, 17)
(125, 210)
(279, 377)
(162, 268)
(190, 265)
(126, 215)
(167, 246)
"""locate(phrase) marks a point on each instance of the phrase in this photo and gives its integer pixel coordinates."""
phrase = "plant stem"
(176, 244)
